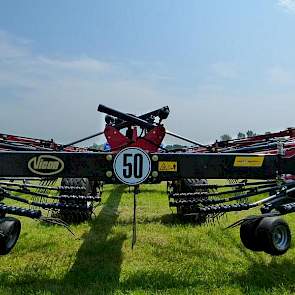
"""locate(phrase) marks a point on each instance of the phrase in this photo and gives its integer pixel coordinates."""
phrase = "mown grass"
(169, 257)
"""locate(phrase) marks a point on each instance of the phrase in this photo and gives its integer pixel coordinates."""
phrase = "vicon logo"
(46, 165)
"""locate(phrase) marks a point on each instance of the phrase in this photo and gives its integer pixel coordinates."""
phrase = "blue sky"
(221, 66)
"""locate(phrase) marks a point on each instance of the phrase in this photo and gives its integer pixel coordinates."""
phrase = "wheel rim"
(280, 237)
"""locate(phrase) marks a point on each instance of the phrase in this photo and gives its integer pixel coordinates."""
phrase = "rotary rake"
(70, 200)
(63, 183)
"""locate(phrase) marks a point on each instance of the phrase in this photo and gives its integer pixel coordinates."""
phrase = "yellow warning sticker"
(251, 161)
(167, 166)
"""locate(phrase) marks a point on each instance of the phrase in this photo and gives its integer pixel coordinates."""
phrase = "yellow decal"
(251, 161)
(167, 166)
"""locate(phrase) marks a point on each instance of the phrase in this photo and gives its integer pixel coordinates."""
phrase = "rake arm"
(5, 209)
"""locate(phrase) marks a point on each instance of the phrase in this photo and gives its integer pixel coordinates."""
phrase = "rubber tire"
(248, 235)
(266, 230)
(10, 229)
(188, 185)
(76, 216)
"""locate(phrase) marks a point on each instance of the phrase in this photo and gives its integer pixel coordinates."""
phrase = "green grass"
(169, 257)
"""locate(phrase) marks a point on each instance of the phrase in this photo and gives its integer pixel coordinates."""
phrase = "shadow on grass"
(168, 220)
(279, 273)
(153, 282)
(98, 262)
(263, 275)
(97, 266)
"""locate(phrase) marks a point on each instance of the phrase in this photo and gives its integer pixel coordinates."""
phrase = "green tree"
(171, 147)
(241, 135)
(96, 147)
(250, 133)
(225, 137)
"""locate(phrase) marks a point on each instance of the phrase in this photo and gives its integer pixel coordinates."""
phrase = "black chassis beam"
(186, 165)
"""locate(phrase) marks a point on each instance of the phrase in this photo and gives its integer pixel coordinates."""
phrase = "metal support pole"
(185, 139)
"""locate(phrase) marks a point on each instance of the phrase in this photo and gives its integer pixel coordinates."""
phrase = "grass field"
(169, 257)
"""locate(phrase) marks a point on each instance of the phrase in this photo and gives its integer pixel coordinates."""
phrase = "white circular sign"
(132, 166)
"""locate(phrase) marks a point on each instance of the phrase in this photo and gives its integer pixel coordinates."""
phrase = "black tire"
(275, 235)
(9, 233)
(188, 214)
(248, 234)
(77, 215)
(189, 185)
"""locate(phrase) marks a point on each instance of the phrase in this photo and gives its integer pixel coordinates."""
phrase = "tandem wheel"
(248, 234)
(269, 234)
(76, 215)
(9, 233)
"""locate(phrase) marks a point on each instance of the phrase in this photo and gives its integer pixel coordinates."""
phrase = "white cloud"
(82, 64)
(11, 47)
(58, 97)
(225, 70)
(280, 76)
(288, 5)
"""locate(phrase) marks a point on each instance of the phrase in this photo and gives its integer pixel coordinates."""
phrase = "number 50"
(132, 165)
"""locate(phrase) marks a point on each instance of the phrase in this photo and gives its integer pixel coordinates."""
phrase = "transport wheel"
(248, 234)
(189, 213)
(9, 233)
(189, 185)
(76, 215)
(275, 235)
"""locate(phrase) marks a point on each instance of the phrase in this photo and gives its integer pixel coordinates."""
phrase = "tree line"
(240, 135)
(224, 137)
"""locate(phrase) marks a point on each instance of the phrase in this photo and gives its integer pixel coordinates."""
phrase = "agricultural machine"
(63, 183)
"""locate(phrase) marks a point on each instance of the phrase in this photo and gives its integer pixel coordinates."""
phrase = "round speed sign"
(132, 166)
